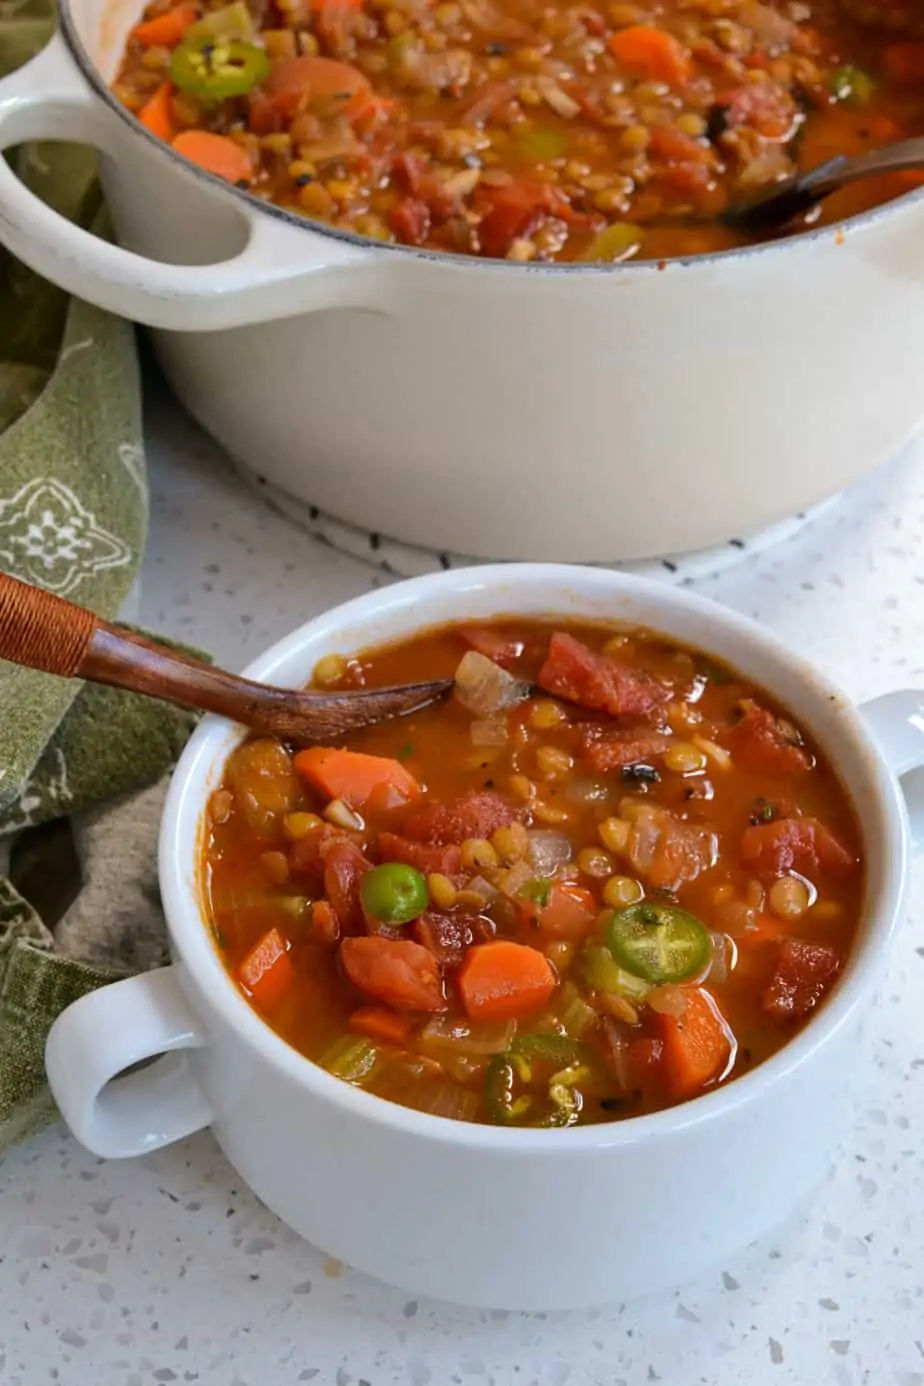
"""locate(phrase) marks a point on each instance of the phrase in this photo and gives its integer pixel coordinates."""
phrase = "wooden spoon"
(42, 631)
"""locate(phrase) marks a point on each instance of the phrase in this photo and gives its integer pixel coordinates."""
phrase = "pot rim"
(834, 231)
(207, 751)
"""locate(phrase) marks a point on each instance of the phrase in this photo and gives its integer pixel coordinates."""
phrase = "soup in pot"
(520, 129)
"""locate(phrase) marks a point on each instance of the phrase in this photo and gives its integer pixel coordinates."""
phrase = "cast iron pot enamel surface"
(591, 413)
(513, 1219)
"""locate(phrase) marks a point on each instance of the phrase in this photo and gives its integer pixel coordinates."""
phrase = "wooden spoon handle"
(46, 632)
(41, 630)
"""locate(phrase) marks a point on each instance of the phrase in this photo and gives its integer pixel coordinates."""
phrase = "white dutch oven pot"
(514, 1219)
(520, 411)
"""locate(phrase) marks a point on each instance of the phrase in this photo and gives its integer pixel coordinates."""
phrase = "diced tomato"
(672, 146)
(611, 750)
(325, 926)
(764, 106)
(767, 745)
(496, 645)
(515, 210)
(306, 855)
(449, 935)
(479, 813)
(570, 913)
(794, 844)
(410, 221)
(584, 676)
(399, 972)
(344, 868)
(426, 856)
(804, 972)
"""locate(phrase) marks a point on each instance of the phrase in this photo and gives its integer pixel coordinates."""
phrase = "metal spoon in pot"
(42, 631)
(779, 204)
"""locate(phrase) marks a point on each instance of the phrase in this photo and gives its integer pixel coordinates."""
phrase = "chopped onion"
(489, 731)
(581, 790)
(461, 1037)
(562, 104)
(547, 851)
(484, 888)
(341, 815)
(484, 688)
(516, 878)
(724, 957)
(668, 1000)
(449, 1100)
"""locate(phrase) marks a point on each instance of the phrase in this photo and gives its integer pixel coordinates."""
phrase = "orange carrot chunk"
(216, 154)
(396, 971)
(502, 980)
(267, 972)
(379, 1023)
(696, 1045)
(652, 53)
(166, 30)
(356, 777)
(157, 113)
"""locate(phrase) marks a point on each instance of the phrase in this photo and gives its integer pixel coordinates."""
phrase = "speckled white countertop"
(167, 1270)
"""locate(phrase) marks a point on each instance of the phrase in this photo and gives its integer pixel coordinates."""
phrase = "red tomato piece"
(611, 750)
(397, 971)
(410, 221)
(344, 868)
(767, 745)
(795, 844)
(570, 913)
(449, 935)
(804, 972)
(765, 107)
(426, 856)
(584, 676)
(515, 210)
(479, 813)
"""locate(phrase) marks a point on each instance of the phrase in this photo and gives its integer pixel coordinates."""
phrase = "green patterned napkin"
(78, 903)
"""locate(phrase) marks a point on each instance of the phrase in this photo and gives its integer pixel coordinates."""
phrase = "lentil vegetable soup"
(607, 875)
(521, 129)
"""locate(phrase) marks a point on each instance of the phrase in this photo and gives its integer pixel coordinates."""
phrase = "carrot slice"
(652, 53)
(357, 777)
(267, 972)
(166, 30)
(696, 1045)
(216, 154)
(502, 980)
(157, 113)
(396, 971)
(379, 1023)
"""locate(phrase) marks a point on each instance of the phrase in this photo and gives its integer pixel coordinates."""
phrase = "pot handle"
(108, 1031)
(49, 99)
(896, 721)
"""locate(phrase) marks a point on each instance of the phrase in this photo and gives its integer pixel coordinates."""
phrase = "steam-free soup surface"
(609, 874)
(525, 130)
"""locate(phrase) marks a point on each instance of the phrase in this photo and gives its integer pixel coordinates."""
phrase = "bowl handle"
(108, 1031)
(49, 99)
(896, 721)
